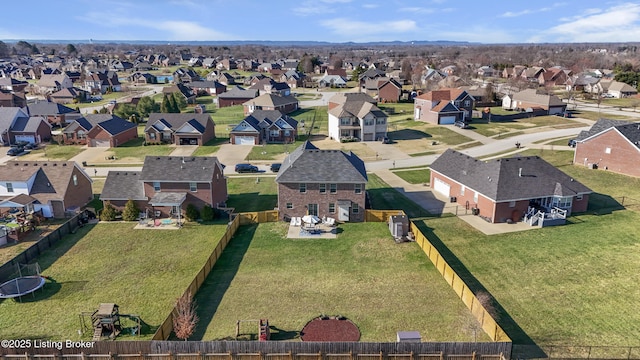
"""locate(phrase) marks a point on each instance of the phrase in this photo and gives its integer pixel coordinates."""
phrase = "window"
(462, 188)
(345, 121)
(75, 180)
(82, 134)
(512, 204)
(607, 150)
(357, 188)
(287, 133)
(475, 197)
(323, 188)
(579, 197)
(156, 185)
(332, 208)
(313, 209)
(275, 133)
(9, 187)
(152, 135)
(563, 202)
(303, 187)
(333, 188)
(368, 121)
(193, 187)
(289, 205)
(355, 208)
(381, 121)
(467, 103)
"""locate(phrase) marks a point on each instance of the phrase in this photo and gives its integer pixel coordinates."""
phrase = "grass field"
(418, 176)
(210, 147)
(54, 152)
(246, 194)
(134, 151)
(384, 197)
(272, 151)
(143, 271)
(362, 274)
(595, 115)
(503, 129)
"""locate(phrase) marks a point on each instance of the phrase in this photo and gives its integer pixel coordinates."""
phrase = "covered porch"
(166, 210)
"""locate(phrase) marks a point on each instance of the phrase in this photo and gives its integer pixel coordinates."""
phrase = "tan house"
(530, 100)
(284, 104)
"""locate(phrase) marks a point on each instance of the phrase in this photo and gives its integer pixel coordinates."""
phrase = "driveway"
(184, 150)
(91, 155)
(230, 155)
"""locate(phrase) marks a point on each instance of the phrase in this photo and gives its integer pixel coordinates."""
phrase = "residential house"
(265, 127)
(12, 99)
(10, 84)
(449, 70)
(284, 104)
(333, 81)
(185, 75)
(612, 145)
(56, 114)
(325, 183)
(52, 188)
(236, 96)
(513, 72)
(226, 64)
(69, 96)
(17, 125)
(508, 189)
(204, 88)
(554, 76)
(431, 75)
(142, 78)
(355, 117)
(223, 78)
(180, 129)
(100, 130)
(101, 82)
(621, 90)
(384, 89)
(269, 86)
(532, 74)
(167, 185)
(371, 73)
(529, 100)
(293, 78)
(186, 92)
(599, 86)
(209, 63)
(486, 71)
(444, 106)
(52, 83)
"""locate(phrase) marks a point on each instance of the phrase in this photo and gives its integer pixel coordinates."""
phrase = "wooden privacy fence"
(164, 331)
(488, 323)
(380, 215)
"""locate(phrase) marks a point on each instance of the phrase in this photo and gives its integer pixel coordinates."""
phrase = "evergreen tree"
(130, 212)
(172, 105)
(207, 213)
(146, 106)
(164, 106)
(181, 103)
(192, 213)
(108, 213)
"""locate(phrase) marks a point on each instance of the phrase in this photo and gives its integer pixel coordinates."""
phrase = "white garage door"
(245, 140)
(28, 138)
(441, 187)
(101, 143)
(447, 120)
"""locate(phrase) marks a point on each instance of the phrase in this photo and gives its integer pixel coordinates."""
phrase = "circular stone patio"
(330, 328)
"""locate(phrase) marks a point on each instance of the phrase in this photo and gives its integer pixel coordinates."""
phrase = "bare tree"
(185, 318)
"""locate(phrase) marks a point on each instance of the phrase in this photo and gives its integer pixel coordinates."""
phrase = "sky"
(489, 22)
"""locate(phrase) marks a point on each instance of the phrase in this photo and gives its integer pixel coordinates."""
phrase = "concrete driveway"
(91, 155)
(184, 150)
(230, 155)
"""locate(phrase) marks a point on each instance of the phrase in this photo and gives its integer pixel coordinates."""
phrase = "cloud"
(370, 6)
(362, 29)
(619, 23)
(530, 11)
(318, 7)
(421, 10)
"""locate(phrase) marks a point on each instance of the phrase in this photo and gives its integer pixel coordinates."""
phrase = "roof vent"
(48, 184)
(64, 164)
(519, 172)
(16, 164)
(54, 164)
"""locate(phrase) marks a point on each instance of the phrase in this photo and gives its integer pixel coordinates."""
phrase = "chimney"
(519, 172)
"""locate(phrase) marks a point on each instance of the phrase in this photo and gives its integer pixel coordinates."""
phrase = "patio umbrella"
(311, 219)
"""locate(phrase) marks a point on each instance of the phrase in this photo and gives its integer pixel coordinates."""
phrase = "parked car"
(246, 168)
(572, 143)
(275, 167)
(15, 150)
(461, 124)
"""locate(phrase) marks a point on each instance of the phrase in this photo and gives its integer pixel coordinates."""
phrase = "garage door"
(28, 138)
(245, 140)
(447, 120)
(100, 143)
(441, 187)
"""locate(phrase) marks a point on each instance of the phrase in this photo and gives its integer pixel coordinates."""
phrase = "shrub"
(207, 213)
(130, 212)
(108, 213)
(192, 213)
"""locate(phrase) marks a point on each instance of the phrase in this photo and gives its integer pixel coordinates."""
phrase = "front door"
(343, 211)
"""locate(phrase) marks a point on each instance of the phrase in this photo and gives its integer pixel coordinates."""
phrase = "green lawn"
(211, 147)
(381, 286)
(306, 117)
(58, 152)
(225, 118)
(502, 129)
(143, 271)
(419, 176)
(271, 151)
(385, 198)
(249, 194)
(595, 115)
(135, 151)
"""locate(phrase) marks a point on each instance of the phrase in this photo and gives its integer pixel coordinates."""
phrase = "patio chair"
(293, 221)
(330, 222)
(298, 221)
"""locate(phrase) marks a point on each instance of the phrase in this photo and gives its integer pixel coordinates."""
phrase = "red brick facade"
(289, 193)
(389, 92)
(97, 134)
(610, 151)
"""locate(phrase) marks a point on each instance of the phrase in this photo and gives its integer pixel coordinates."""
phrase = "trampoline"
(21, 286)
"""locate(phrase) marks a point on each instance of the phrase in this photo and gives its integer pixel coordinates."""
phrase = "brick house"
(236, 96)
(265, 127)
(444, 106)
(318, 182)
(180, 129)
(56, 114)
(384, 89)
(509, 189)
(206, 87)
(100, 130)
(52, 187)
(612, 145)
(355, 116)
(17, 125)
(284, 104)
(167, 185)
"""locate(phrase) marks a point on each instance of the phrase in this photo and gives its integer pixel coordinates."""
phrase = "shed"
(399, 226)
(409, 336)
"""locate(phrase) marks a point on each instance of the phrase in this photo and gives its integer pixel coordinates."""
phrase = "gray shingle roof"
(28, 124)
(176, 120)
(309, 164)
(600, 126)
(7, 115)
(500, 179)
(631, 132)
(47, 108)
(112, 124)
(238, 93)
(179, 168)
(123, 185)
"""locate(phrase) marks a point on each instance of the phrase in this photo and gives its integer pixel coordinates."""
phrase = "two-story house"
(167, 185)
(102, 81)
(356, 117)
(319, 182)
(179, 129)
(265, 126)
(444, 106)
(55, 82)
(50, 187)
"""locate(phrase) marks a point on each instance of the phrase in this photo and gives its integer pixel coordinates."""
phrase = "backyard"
(110, 263)
(502, 129)
(382, 286)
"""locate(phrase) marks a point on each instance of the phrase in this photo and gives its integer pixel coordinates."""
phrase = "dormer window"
(9, 187)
